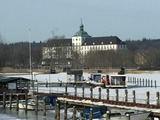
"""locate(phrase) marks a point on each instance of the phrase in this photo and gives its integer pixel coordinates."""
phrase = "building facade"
(81, 43)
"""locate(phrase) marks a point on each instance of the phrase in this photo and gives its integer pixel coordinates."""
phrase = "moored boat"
(114, 81)
(99, 113)
(31, 105)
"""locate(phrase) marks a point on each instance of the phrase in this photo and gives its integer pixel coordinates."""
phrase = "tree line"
(16, 55)
(141, 54)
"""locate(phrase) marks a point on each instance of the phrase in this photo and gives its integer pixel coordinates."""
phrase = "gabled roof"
(102, 40)
(61, 42)
(90, 41)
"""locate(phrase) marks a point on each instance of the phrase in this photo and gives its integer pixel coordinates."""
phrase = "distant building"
(85, 42)
(82, 43)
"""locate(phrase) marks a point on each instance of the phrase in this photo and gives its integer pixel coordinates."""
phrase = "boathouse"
(14, 84)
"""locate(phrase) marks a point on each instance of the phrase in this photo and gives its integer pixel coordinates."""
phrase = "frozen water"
(140, 91)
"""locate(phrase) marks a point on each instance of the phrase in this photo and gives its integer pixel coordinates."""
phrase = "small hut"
(14, 84)
(74, 75)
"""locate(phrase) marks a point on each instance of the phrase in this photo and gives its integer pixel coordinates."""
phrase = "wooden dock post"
(133, 80)
(155, 83)
(146, 82)
(66, 89)
(58, 111)
(134, 96)
(44, 106)
(147, 97)
(4, 100)
(128, 116)
(36, 105)
(107, 93)
(126, 95)
(46, 83)
(56, 107)
(91, 92)
(10, 101)
(151, 84)
(117, 95)
(65, 110)
(26, 102)
(99, 89)
(143, 82)
(107, 115)
(82, 91)
(130, 79)
(140, 81)
(17, 104)
(157, 98)
(75, 90)
(74, 113)
(91, 114)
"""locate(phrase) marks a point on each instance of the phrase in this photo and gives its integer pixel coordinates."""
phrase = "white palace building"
(82, 43)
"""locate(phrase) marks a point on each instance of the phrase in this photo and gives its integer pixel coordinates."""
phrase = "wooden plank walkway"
(79, 100)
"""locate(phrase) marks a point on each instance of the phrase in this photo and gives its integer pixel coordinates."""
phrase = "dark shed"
(14, 84)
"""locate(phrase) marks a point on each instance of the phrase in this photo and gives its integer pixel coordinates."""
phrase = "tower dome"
(81, 31)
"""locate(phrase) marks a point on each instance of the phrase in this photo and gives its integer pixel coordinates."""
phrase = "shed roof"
(10, 79)
(103, 40)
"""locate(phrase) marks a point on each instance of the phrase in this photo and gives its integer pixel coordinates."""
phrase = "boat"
(107, 80)
(99, 113)
(94, 80)
(94, 83)
(133, 116)
(114, 81)
(31, 104)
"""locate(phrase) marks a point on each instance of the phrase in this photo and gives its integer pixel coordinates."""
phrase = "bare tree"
(2, 53)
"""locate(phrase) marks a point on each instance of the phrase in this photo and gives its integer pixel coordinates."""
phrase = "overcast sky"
(127, 19)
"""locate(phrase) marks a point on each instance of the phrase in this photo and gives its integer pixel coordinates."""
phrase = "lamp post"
(30, 59)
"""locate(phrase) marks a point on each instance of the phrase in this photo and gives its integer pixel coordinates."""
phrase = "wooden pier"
(76, 99)
(82, 99)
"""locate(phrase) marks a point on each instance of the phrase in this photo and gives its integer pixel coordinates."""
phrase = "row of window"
(83, 49)
(77, 39)
(105, 47)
